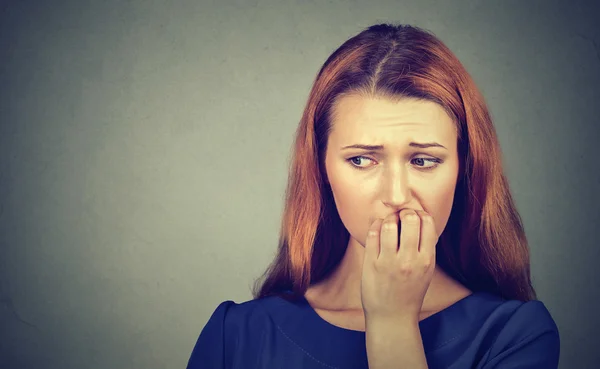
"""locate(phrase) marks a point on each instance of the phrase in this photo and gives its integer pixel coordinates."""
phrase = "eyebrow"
(380, 147)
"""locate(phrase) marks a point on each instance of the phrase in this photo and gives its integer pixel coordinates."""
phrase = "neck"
(341, 289)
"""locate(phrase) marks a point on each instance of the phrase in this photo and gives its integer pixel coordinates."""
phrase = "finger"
(389, 236)
(428, 237)
(372, 242)
(409, 234)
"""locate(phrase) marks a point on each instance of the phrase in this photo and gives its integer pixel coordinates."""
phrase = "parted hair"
(483, 245)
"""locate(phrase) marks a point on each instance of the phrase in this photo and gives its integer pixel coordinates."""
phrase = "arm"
(395, 344)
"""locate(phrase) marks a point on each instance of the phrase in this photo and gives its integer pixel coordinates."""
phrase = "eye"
(352, 161)
(435, 161)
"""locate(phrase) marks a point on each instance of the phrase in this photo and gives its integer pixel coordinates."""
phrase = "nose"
(396, 192)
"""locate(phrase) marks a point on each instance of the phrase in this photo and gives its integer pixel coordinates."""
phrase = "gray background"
(144, 148)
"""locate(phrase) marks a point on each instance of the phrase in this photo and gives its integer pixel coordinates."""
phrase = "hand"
(395, 279)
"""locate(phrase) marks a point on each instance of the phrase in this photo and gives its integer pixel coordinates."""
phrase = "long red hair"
(483, 245)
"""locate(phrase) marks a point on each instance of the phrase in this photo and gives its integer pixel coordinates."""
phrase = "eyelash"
(434, 160)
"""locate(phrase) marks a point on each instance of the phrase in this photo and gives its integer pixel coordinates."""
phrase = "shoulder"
(237, 316)
(519, 319)
(250, 319)
(525, 320)
(231, 326)
(526, 317)
(533, 314)
(510, 319)
(485, 331)
(524, 332)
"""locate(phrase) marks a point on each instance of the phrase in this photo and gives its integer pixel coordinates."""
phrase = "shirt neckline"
(424, 325)
(303, 326)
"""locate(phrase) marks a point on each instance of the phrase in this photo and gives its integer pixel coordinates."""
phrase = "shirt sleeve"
(530, 340)
(209, 350)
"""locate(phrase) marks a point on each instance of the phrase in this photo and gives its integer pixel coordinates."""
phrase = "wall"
(144, 149)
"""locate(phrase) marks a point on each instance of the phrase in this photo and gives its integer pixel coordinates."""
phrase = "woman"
(400, 244)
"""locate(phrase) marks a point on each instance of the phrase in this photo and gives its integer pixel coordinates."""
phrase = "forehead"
(379, 120)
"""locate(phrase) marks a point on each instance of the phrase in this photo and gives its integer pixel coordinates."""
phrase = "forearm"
(395, 345)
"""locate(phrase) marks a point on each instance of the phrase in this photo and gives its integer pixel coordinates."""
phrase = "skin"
(386, 278)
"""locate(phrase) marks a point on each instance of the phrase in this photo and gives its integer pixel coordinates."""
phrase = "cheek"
(352, 206)
(439, 205)
(348, 200)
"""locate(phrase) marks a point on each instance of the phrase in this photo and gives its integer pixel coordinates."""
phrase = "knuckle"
(389, 226)
(406, 272)
(428, 219)
(405, 268)
(410, 217)
(382, 266)
(429, 261)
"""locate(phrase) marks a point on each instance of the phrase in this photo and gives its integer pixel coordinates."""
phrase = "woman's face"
(398, 175)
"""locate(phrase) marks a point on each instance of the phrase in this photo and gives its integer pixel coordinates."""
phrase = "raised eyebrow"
(421, 145)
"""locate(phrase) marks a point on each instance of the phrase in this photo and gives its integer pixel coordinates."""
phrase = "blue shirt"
(480, 331)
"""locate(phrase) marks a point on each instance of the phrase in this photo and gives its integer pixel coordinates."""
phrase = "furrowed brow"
(421, 145)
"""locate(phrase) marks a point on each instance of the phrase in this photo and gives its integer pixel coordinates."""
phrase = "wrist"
(396, 319)
(392, 323)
